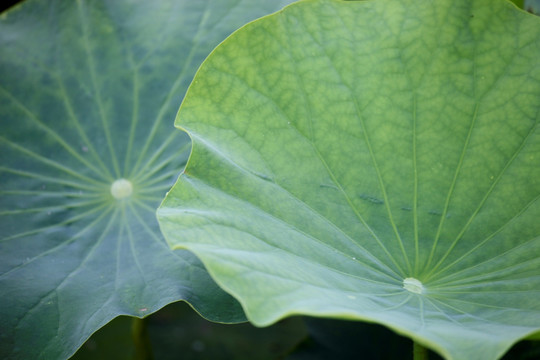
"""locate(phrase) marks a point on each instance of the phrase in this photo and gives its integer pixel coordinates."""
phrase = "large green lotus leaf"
(372, 160)
(88, 91)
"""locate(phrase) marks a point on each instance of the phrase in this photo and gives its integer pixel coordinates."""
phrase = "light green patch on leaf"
(88, 91)
(342, 148)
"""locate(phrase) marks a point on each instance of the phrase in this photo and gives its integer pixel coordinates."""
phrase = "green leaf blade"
(340, 148)
(85, 93)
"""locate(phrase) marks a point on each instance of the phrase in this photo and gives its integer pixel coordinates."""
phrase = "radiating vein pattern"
(345, 150)
(88, 93)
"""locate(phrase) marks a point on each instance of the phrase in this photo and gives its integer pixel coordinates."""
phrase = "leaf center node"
(413, 285)
(121, 188)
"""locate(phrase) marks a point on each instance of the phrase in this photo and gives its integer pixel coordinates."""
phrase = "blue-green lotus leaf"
(88, 92)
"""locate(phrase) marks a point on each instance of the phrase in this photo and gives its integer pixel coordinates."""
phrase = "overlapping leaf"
(373, 160)
(87, 93)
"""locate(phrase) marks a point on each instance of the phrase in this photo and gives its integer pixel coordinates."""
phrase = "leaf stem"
(419, 352)
(139, 333)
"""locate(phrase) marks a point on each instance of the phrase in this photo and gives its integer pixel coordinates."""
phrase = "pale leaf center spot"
(121, 188)
(413, 285)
